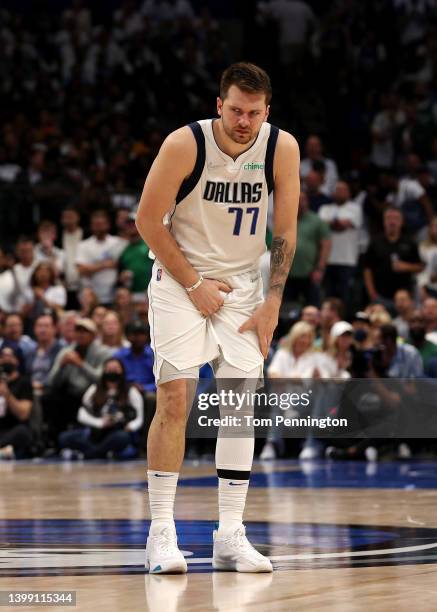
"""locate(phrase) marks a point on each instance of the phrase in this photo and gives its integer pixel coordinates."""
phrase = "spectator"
(313, 183)
(314, 153)
(76, 367)
(417, 337)
(340, 349)
(46, 293)
(427, 252)
(400, 360)
(112, 331)
(138, 357)
(97, 258)
(7, 281)
(344, 218)
(391, 261)
(311, 256)
(404, 307)
(311, 315)
(97, 315)
(45, 249)
(87, 302)
(429, 311)
(66, 325)
(72, 235)
(124, 306)
(22, 272)
(41, 359)
(410, 197)
(296, 357)
(111, 412)
(15, 408)
(332, 311)
(296, 22)
(135, 263)
(13, 336)
(384, 129)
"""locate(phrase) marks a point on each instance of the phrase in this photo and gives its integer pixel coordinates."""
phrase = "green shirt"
(311, 230)
(135, 257)
(427, 351)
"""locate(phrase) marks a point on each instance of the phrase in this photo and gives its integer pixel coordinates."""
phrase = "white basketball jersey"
(220, 214)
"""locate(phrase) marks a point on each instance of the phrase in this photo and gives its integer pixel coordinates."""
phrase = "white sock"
(232, 500)
(162, 491)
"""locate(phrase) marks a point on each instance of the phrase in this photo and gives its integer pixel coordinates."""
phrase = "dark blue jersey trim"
(189, 184)
(270, 155)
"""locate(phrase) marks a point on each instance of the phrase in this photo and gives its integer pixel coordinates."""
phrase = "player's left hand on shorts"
(207, 297)
(263, 321)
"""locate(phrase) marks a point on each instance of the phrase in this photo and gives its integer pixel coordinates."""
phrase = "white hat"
(340, 328)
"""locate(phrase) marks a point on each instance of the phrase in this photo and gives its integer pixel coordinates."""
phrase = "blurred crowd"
(87, 98)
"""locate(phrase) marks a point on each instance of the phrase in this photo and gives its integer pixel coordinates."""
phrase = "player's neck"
(226, 144)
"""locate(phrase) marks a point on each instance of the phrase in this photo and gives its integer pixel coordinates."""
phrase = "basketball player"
(203, 213)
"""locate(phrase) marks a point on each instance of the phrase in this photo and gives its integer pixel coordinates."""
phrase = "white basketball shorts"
(181, 336)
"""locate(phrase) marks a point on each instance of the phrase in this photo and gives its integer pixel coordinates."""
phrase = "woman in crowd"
(296, 357)
(341, 339)
(97, 315)
(112, 331)
(88, 301)
(111, 412)
(45, 294)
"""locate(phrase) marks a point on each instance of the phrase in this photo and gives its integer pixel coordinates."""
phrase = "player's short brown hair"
(247, 77)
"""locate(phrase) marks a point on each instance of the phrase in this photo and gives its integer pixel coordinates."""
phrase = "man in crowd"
(135, 263)
(72, 235)
(15, 407)
(76, 367)
(404, 306)
(97, 258)
(391, 261)
(314, 153)
(138, 357)
(311, 256)
(345, 219)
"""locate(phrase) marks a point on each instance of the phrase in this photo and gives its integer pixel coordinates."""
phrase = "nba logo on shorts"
(158, 274)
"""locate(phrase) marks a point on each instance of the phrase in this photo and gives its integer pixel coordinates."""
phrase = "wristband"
(193, 287)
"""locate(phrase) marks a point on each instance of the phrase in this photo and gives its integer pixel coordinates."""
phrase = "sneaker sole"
(230, 566)
(175, 567)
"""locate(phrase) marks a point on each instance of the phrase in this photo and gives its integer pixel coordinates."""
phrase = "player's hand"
(206, 298)
(263, 321)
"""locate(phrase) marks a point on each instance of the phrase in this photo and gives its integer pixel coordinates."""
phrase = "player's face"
(242, 114)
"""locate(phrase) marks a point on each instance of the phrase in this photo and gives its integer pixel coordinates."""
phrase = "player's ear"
(267, 113)
(219, 106)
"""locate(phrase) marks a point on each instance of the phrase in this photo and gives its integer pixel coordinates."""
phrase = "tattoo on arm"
(280, 262)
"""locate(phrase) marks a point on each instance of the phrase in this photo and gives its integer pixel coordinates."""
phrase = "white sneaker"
(233, 551)
(308, 452)
(404, 451)
(371, 453)
(162, 553)
(268, 452)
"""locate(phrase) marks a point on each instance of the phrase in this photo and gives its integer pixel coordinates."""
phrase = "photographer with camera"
(111, 412)
(15, 407)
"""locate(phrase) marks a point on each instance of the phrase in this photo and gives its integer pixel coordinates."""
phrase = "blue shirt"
(139, 368)
(407, 363)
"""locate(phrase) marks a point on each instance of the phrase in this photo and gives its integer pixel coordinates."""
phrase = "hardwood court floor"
(342, 537)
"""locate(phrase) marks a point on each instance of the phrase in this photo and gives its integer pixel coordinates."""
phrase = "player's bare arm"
(286, 197)
(174, 163)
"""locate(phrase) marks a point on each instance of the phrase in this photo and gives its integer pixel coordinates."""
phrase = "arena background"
(88, 92)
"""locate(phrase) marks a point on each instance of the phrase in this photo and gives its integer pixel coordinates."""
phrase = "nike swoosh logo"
(237, 484)
(163, 475)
